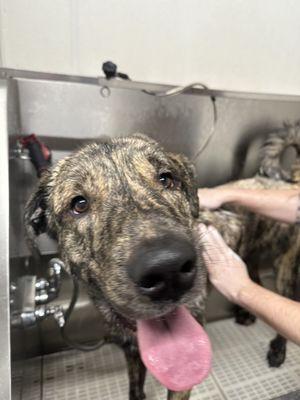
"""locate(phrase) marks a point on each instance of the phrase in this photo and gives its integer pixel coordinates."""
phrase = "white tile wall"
(36, 35)
(229, 44)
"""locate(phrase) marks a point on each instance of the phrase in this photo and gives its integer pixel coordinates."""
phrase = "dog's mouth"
(175, 348)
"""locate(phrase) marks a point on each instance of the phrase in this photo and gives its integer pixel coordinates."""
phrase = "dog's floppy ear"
(186, 172)
(35, 216)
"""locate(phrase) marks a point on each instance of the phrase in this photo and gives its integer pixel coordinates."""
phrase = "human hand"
(227, 272)
(212, 198)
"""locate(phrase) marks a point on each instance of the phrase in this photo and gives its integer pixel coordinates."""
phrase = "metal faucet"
(48, 289)
(30, 296)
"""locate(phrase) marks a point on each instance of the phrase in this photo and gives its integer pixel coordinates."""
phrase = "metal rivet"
(105, 91)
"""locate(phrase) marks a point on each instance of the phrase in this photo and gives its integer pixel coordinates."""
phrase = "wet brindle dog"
(124, 213)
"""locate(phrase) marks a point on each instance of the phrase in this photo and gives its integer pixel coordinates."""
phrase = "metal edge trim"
(6, 73)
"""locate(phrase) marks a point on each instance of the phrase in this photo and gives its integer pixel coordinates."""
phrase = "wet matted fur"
(136, 192)
(127, 205)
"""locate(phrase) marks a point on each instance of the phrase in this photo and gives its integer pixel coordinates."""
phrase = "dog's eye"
(79, 205)
(168, 180)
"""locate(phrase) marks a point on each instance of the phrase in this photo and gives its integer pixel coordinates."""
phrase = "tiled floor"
(240, 371)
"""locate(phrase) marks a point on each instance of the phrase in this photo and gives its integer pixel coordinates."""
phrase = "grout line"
(219, 386)
(254, 380)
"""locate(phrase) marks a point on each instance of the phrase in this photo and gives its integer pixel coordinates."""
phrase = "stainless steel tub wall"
(65, 114)
(78, 111)
(5, 389)
(68, 111)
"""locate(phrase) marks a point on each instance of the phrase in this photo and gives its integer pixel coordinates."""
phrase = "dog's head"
(123, 214)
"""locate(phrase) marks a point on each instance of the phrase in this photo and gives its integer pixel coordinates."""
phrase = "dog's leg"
(277, 351)
(136, 372)
(286, 286)
(179, 395)
(243, 317)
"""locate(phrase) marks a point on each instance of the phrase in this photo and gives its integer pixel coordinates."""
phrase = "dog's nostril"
(186, 275)
(187, 267)
(152, 282)
(152, 285)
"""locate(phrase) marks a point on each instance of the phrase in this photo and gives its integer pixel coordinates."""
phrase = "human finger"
(207, 242)
(221, 244)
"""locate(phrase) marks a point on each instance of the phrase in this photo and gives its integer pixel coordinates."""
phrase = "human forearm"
(279, 204)
(228, 273)
(279, 312)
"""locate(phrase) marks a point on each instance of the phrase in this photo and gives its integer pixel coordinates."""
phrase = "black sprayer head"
(39, 153)
(110, 70)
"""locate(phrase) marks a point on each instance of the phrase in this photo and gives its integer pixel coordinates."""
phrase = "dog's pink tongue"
(175, 349)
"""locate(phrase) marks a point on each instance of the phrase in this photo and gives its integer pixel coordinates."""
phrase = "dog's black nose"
(164, 268)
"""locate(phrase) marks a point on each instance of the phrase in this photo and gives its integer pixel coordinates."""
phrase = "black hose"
(41, 162)
(68, 313)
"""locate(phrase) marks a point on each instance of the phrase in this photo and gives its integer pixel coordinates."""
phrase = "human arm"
(279, 204)
(228, 273)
